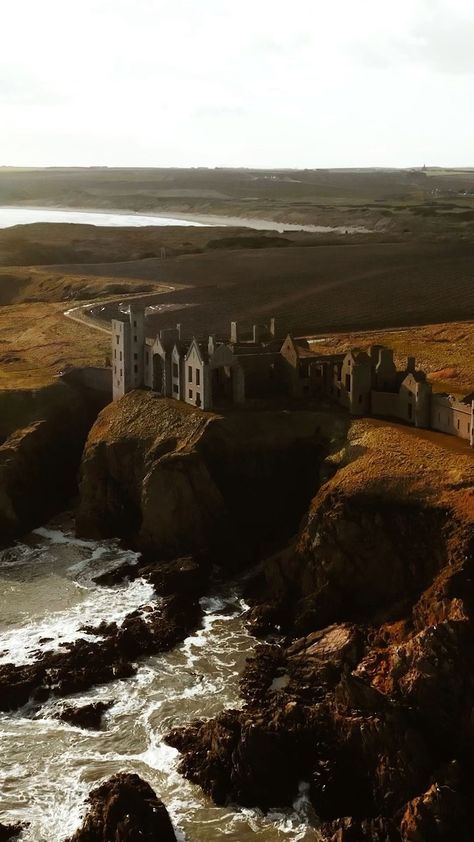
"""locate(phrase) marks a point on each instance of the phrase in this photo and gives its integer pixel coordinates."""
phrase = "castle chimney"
(211, 344)
(257, 333)
(273, 326)
(178, 328)
(374, 353)
(385, 357)
(234, 332)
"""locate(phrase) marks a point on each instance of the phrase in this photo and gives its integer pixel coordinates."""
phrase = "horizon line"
(387, 167)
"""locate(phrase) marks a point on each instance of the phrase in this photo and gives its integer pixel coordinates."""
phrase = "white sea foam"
(48, 767)
(20, 645)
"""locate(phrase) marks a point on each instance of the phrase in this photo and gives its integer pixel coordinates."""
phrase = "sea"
(48, 767)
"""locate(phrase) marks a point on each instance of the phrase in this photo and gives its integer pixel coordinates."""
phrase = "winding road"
(80, 313)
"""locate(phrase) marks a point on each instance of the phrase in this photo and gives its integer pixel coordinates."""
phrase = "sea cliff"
(368, 697)
(173, 479)
(42, 435)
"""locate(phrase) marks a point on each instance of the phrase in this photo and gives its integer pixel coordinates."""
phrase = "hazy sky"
(302, 83)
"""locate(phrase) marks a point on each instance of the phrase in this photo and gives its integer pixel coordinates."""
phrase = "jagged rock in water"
(125, 809)
(85, 716)
(11, 831)
(81, 664)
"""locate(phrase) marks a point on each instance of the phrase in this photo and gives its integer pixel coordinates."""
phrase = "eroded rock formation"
(176, 480)
(42, 434)
(369, 698)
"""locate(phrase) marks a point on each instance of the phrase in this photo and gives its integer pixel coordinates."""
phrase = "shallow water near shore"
(10, 216)
(48, 767)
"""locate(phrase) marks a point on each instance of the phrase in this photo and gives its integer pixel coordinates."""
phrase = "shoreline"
(201, 220)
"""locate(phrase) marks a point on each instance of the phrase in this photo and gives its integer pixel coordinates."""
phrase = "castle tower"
(128, 348)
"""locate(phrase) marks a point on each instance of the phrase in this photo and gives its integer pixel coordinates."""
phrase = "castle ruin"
(233, 370)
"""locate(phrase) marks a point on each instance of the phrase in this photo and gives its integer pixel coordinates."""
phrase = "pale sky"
(258, 83)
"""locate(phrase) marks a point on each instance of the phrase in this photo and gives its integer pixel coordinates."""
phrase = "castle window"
(190, 374)
(115, 369)
(190, 394)
(135, 339)
(175, 388)
(135, 356)
(115, 355)
(120, 356)
(120, 372)
(198, 377)
(458, 423)
(348, 382)
(175, 370)
(134, 323)
(135, 368)
(117, 340)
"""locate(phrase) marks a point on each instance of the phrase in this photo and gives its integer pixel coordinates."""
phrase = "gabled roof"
(418, 376)
(180, 346)
(300, 346)
(201, 349)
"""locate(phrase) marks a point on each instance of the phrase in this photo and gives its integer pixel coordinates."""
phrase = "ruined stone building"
(234, 369)
(201, 373)
(369, 383)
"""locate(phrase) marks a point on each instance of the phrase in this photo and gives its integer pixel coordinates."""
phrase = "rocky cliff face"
(42, 437)
(397, 512)
(176, 480)
(369, 698)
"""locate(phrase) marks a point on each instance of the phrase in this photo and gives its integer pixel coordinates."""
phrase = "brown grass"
(37, 342)
(29, 284)
(388, 459)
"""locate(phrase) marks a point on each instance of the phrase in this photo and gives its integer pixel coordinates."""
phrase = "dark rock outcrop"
(11, 831)
(42, 436)
(372, 692)
(175, 480)
(85, 716)
(82, 664)
(125, 809)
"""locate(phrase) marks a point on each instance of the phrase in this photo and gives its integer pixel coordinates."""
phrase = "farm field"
(312, 289)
